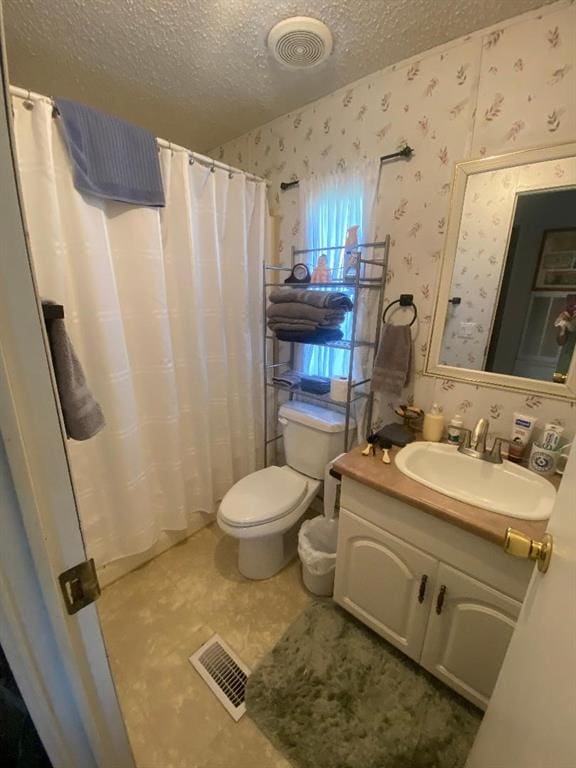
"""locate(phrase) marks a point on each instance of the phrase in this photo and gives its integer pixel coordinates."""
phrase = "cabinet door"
(384, 582)
(468, 633)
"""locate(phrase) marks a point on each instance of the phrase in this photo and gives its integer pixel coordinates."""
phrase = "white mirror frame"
(487, 378)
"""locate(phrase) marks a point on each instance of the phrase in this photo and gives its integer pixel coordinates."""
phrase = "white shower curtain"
(163, 308)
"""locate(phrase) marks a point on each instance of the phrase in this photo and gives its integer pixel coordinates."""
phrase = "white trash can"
(317, 540)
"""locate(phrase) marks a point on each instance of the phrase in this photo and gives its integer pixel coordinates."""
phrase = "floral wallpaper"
(494, 91)
(527, 93)
(481, 250)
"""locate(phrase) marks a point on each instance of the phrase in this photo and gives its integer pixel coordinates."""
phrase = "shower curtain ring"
(28, 103)
(213, 167)
(190, 159)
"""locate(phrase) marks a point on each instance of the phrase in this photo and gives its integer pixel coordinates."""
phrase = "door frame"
(59, 661)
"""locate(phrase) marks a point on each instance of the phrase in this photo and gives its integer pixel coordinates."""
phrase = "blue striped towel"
(112, 158)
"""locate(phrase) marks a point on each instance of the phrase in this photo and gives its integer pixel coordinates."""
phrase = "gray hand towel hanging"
(83, 417)
(393, 359)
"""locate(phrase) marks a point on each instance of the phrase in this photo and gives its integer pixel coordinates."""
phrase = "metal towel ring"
(405, 300)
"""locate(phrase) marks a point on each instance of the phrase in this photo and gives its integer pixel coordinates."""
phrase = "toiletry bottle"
(551, 437)
(433, 428)
(454, 429)
(522, 428)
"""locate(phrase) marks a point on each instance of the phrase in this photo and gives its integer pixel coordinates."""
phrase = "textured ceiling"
(197, 72)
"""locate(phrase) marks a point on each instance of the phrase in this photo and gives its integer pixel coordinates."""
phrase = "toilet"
(264, 509)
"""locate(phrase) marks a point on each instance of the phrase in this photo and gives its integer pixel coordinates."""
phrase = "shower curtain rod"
(406, 152)
(31, 97)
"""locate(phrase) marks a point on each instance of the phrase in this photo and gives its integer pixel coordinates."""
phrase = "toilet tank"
(313, 436)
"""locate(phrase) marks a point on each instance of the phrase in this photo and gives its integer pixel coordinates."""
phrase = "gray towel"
(111, 158)
(335, 322)
(318, 298)
(288, 379)
(298, 325)
(295, 310)
(320, 336)
(83, 416)
(393, 359)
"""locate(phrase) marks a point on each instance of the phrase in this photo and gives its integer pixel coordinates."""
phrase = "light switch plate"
(467, 330)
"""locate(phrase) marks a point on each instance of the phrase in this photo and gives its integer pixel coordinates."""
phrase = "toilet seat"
(262, 497)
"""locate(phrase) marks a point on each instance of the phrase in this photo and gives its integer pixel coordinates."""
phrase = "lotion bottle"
(433, 428)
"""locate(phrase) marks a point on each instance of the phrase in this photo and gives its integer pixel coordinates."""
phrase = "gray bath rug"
(332, 694)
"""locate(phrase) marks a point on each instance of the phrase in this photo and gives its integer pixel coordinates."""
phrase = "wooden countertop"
(388, 479)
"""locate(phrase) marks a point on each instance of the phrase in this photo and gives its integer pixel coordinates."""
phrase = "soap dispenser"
(433, 427)
(455, 429)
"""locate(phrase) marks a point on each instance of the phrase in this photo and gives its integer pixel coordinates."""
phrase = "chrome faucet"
(478, 436)
(473, 443)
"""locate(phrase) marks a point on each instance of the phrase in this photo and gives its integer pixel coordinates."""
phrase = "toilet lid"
(263, 496)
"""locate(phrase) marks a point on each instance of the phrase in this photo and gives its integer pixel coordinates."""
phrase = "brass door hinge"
(79, 586)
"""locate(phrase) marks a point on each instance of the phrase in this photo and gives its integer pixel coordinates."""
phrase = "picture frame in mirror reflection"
(509, 230)
(557, 260)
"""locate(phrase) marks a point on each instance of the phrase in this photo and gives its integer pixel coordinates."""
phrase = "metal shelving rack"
(360, 283)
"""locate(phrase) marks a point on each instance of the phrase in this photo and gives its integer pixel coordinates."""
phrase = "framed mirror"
(505, 313)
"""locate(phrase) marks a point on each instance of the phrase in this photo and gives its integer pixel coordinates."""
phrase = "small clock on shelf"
(300, 274)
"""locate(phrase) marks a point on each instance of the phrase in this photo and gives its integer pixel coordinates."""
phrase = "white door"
(58, 660)
(469, 630)
(531, 719)
(384, 582)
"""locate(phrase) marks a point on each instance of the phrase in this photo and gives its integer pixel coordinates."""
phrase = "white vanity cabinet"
(385, 582)
(445, 597)
(468, 632)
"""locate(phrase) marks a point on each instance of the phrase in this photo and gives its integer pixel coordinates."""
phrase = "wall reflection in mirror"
(512, 299)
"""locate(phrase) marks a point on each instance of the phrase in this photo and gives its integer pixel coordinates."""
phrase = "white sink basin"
(504, 488)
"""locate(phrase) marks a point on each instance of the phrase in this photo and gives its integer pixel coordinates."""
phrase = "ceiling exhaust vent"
(300, 42)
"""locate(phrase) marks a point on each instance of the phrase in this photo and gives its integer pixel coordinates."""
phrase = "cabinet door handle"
(440, 599)
(422, 590)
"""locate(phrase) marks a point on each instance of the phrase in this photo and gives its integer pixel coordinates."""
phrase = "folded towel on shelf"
(319, 336)
(307, 316)
(288, 310)
(287, 379)
(299, 325)
(293, 325)
(83, 416)
(393, 359)
(328, 323)
(317, 385)
(317, 298)
(111, 158)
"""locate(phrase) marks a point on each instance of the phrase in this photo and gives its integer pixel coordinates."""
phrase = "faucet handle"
(466, 436)
(495, 454)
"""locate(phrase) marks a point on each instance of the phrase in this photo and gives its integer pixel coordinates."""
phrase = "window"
(328, 217)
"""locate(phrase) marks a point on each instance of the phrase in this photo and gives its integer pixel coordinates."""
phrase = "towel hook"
(405, 300)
